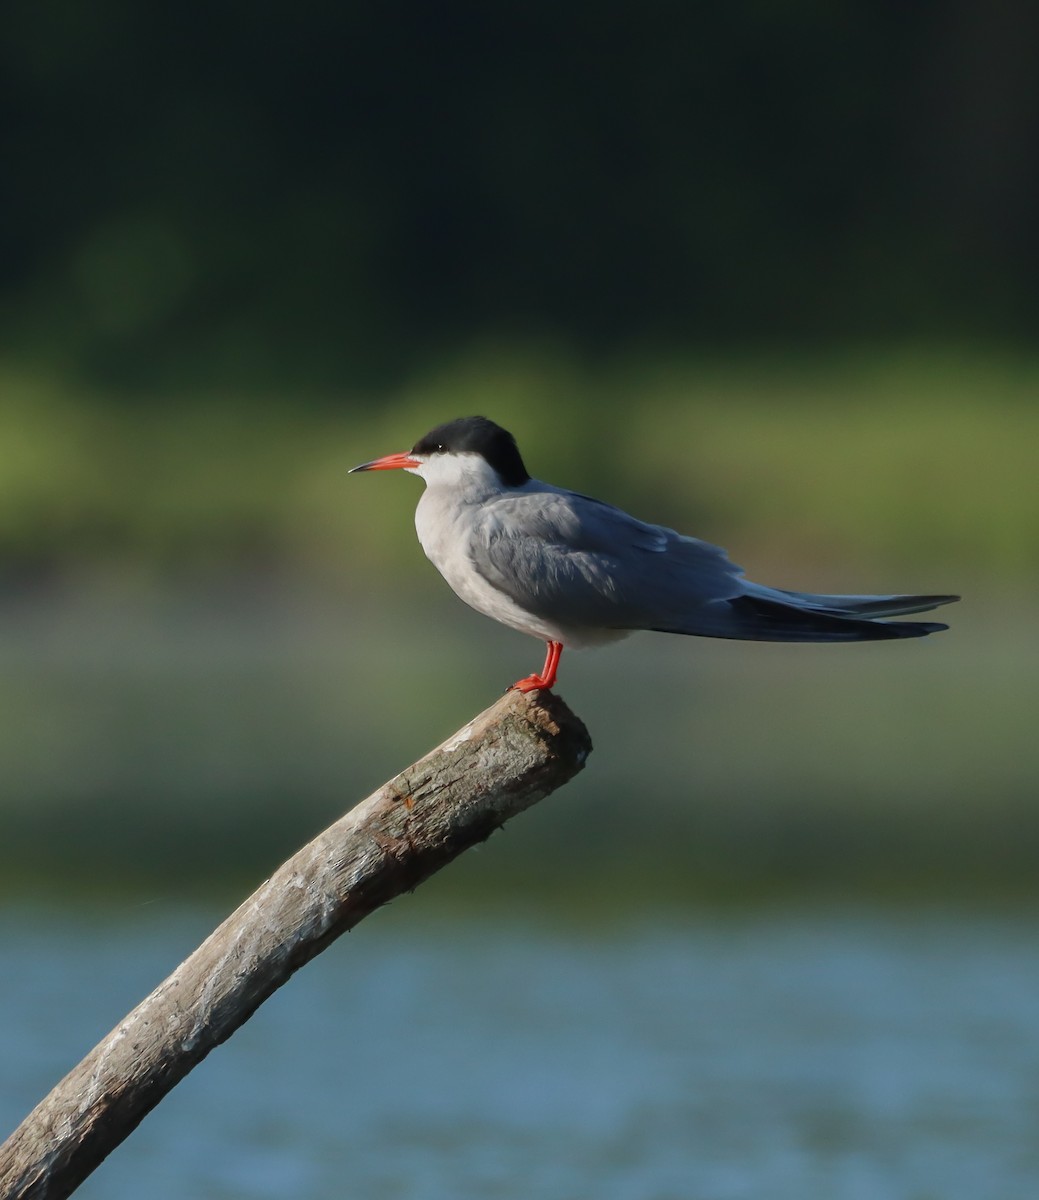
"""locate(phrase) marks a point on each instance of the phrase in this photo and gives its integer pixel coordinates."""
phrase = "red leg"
(547, 678)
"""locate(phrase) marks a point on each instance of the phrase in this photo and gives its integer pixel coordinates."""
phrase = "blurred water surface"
(788, 1052)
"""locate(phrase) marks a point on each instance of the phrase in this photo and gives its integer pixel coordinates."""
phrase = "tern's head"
(471, 450)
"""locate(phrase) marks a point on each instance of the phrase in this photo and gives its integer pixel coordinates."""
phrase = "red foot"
(547, 678)
(531, 683)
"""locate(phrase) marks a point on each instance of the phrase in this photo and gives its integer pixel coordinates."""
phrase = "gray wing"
(580, 562)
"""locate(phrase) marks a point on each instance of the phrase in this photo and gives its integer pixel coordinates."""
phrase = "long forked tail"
(770, 614)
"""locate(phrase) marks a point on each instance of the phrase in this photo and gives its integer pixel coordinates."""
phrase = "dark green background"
(322, 194)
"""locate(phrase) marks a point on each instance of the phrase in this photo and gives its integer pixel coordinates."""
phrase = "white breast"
(444, 529)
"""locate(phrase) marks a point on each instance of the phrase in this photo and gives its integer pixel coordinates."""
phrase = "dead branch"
(509, 757)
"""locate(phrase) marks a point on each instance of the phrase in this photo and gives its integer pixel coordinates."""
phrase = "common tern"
(574, 571)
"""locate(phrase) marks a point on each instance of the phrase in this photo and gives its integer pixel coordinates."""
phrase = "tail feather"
(767, 614)
(857, 606)
(762, 618)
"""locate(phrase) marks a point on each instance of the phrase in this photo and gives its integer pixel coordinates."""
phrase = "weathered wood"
(506, 759)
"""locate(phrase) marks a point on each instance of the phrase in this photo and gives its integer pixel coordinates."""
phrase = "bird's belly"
(471, 587)
(479, 594)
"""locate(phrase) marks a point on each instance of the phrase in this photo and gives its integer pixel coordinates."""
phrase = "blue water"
(849, 1055)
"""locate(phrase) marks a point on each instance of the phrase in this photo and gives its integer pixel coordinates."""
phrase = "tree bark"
(505, 760)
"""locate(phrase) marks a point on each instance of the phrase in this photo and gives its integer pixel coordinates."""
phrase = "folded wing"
(580, 563)
(577, 561)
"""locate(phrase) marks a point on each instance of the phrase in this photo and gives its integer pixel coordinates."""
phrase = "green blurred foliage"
(241, 251)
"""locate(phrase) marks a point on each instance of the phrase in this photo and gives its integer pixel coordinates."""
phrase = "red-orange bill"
(390, 462)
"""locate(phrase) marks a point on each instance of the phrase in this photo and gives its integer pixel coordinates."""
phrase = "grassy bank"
(887, 460)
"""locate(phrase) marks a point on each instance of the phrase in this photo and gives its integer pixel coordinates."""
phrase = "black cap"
(477, 435)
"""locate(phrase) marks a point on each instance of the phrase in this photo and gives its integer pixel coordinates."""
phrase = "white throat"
(469, 478)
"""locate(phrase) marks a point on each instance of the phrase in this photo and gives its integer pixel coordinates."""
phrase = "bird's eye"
(439, 448)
